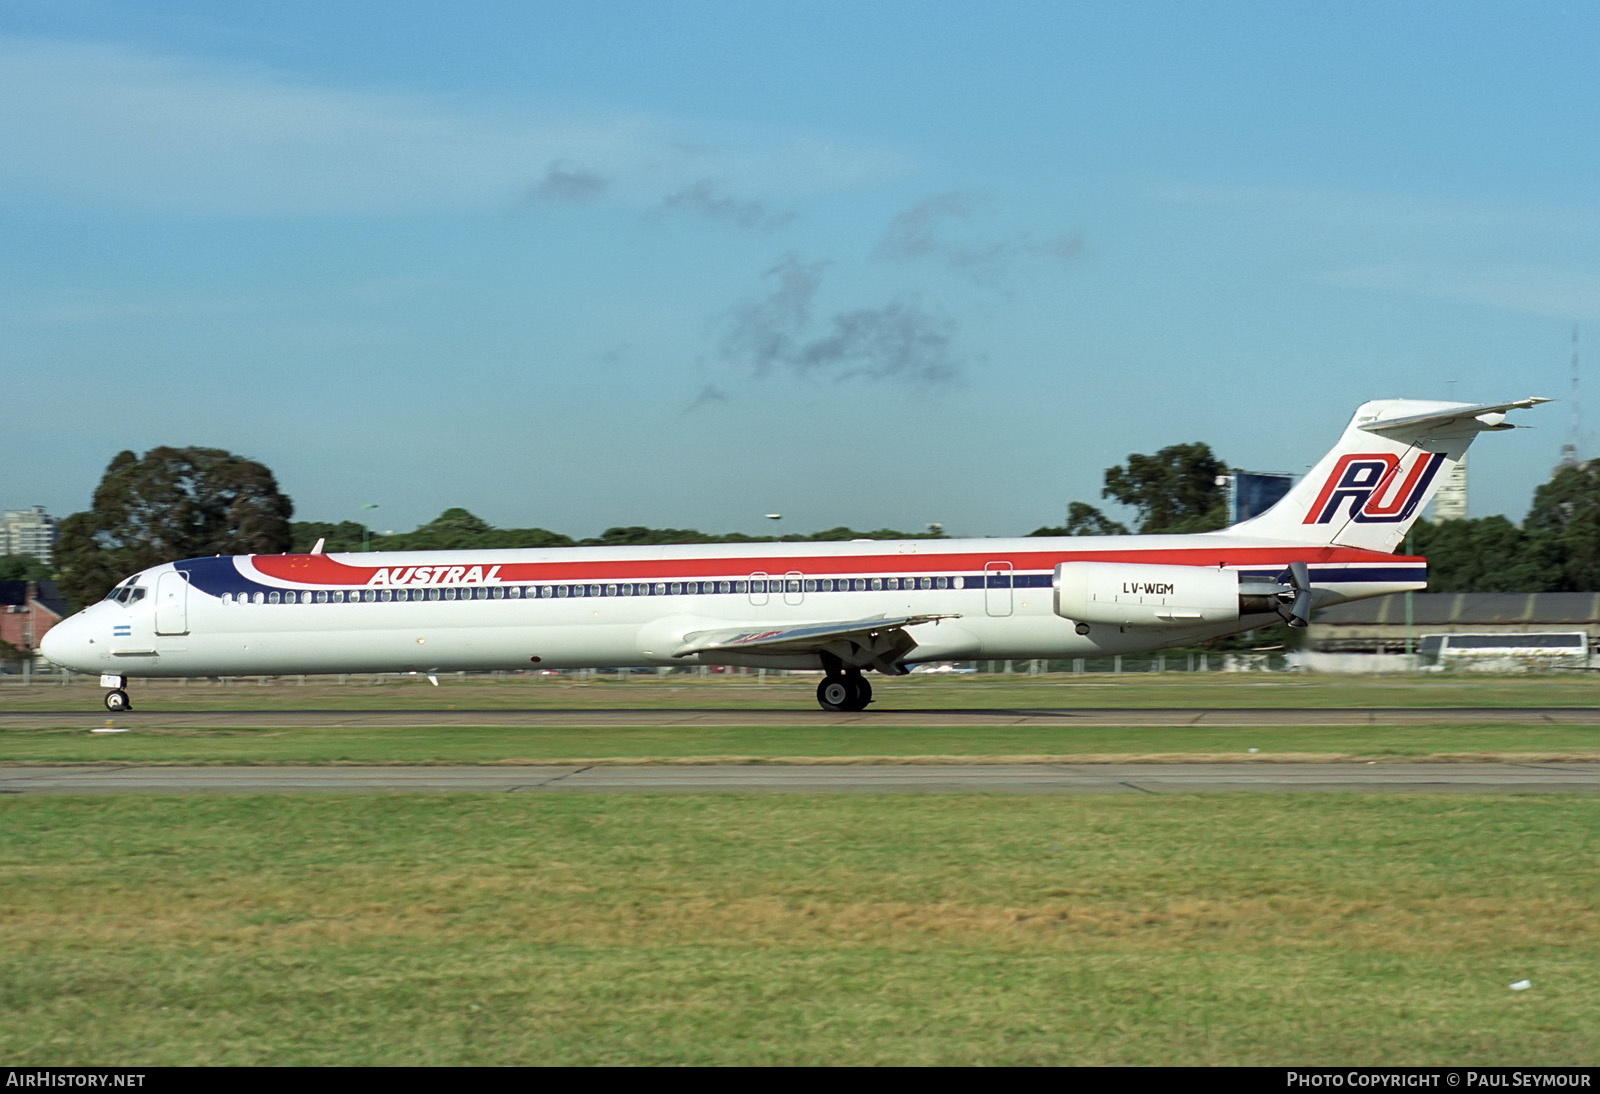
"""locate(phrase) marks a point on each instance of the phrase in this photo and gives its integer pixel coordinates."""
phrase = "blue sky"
(579, 265)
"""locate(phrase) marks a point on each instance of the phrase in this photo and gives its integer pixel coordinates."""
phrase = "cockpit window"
(127, 594)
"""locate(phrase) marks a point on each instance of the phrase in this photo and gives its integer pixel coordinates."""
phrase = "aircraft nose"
(68, 645)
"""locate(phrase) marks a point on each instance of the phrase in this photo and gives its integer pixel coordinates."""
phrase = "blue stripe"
(1344, 576)
(218, 576)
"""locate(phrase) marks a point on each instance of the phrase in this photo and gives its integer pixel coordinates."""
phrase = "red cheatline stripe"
(322, 570)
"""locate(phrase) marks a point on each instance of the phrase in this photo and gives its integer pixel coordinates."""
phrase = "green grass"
(35, 731)
(1221, 929)
(913, 693)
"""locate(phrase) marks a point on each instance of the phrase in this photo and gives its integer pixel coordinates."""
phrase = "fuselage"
(632, 606)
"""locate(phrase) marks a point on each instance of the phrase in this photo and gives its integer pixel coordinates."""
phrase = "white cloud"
(123, 129)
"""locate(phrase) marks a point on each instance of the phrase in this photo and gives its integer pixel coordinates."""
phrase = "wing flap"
(804, 638)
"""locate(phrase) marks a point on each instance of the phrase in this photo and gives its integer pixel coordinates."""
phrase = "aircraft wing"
(865, 634)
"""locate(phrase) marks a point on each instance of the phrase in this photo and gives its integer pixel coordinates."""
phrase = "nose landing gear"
(117, 699)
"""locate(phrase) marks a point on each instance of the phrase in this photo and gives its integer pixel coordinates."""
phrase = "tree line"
(457, 529)
(174, 503)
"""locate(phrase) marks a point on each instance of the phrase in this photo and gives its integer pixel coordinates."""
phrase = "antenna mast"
(1569, 450)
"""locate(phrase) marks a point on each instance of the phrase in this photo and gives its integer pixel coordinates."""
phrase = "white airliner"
(839, 608)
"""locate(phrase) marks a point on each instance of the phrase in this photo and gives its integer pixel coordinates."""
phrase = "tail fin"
(1373, 485)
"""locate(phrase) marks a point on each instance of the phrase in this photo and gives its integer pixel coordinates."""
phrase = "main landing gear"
(847, 690)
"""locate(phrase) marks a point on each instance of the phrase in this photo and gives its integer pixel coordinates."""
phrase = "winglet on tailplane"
(1370, 488)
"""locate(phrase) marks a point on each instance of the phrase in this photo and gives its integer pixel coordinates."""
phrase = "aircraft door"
(997, 588)
(758, 589)
(172, 602)
(794, 584)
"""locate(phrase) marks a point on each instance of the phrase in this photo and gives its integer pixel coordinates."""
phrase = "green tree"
(1488, 555)
(457, 529)
(641, 536)
(23, 568)
(1084, 520)
(459, 522)
(343, 536)
(1567, 510)
(844, 535)
(1174, 491)
(171, 503)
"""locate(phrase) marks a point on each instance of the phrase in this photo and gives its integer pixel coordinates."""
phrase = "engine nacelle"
(1143, 595)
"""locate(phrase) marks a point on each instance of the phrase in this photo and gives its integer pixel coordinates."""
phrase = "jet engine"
(1145, 595)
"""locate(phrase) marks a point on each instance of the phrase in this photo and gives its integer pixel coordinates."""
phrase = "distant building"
(28, 532)
(27, 610)
(1380, 625)
(1450, 503)
(1251, 493)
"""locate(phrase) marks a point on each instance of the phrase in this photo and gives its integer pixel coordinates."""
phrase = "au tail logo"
(1375, 487)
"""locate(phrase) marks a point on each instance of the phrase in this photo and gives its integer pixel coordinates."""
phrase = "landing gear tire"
(117, 701)
(864, 692)
(845, 692)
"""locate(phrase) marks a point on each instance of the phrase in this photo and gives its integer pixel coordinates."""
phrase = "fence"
(43, 674)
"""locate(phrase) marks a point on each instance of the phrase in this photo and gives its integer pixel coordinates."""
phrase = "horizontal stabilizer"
(1372, 486)
(1487, 415)
(805, 638)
